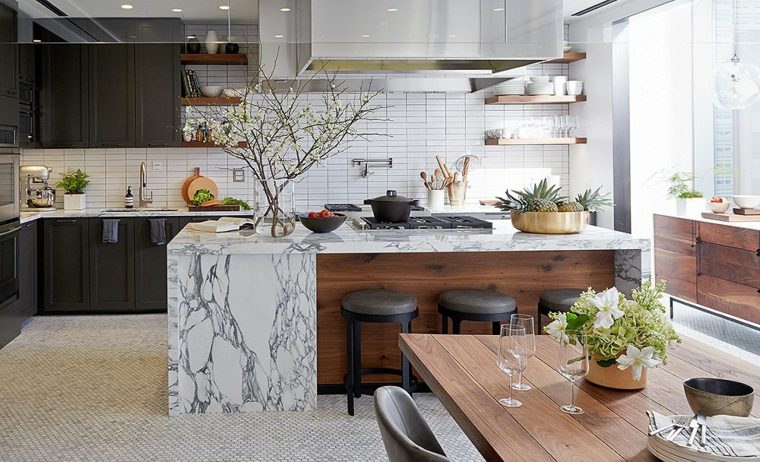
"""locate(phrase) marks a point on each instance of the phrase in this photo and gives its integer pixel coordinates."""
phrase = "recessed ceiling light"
(452, 35)
(191, 37)
(224, 7)
(285, 10)
(366, 36)
(126, 7)
(279, 36)
(498, 9)
(392, 10)
(37, 41)
(176, 10)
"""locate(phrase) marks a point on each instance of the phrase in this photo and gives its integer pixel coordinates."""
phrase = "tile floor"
(93, 388)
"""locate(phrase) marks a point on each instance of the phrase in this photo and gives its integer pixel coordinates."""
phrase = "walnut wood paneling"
(730, 236)
(523, 275)
(730, 298)
(675, 255)
(729, 263)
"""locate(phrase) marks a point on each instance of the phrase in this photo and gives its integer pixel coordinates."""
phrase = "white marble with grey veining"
(27, 216)
(242, 307)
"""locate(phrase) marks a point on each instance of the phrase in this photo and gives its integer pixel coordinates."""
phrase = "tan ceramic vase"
(612, 377)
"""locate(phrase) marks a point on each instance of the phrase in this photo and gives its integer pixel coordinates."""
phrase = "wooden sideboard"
(712, 264)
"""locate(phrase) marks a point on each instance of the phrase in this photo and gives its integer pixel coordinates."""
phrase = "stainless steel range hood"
(405, 40)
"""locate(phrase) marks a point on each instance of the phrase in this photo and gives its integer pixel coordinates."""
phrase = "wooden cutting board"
(729, 217)
(202, 183)
(196, 174)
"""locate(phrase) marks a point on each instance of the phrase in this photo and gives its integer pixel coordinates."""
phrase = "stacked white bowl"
(540, 85)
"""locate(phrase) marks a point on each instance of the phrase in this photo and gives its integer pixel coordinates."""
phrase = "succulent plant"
(541, 197)
(593, 200)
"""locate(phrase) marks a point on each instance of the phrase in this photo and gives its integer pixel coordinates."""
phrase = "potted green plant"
(73, 183)
(689, 201)
(630, 334)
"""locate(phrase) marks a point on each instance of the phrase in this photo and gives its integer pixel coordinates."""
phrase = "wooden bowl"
(323, 224)
(550, 222)
(711, 396)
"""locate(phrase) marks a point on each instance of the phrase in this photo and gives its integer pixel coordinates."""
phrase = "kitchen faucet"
(144, 197)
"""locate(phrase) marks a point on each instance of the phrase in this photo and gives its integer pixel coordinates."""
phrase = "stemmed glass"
(526, 321)
(511, 357)
(573, 364)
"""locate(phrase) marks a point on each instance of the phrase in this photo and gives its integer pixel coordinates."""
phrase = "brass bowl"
(711, 396)
(550, 222)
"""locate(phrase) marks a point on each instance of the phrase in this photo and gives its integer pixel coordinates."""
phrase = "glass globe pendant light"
(736, 85)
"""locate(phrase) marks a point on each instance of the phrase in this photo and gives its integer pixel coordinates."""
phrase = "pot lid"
(391, 196)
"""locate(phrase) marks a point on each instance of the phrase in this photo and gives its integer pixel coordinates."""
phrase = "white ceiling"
(241, 11)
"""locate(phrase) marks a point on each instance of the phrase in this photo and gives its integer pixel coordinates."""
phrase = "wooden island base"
(523, 275)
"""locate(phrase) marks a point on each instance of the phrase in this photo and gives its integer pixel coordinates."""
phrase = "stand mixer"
(39, 195)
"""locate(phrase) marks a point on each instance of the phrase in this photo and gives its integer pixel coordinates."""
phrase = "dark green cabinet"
(150, 265)
(9, 52)
(112, 96)
(26, 63)
(66, 264)
(157, 85)
(64, 96)
(112, 267)
(27, 278)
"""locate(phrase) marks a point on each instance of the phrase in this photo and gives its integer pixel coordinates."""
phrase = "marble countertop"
(755, 225)
(27, 216)
(503, 237)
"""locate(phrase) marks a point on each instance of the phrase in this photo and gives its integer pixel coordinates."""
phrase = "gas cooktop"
(446, 222)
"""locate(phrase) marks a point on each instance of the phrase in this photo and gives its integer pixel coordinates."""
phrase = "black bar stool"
(474, 305)
(560, 300)
(374, 306)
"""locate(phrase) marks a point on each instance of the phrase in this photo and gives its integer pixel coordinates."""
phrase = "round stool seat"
(558, 300)
(379, 302)
(477, 301)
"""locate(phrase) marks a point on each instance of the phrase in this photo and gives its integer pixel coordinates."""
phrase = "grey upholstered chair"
(406, 435)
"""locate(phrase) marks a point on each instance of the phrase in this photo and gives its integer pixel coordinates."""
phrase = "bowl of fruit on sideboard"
(322, 222)
(719, 204)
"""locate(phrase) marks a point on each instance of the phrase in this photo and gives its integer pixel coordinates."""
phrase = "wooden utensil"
(444, 170)
(196, 174)
(466, 168)
(424, 177)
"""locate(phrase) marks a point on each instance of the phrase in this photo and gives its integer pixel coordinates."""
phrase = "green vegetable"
(201, 196)
(232, 201)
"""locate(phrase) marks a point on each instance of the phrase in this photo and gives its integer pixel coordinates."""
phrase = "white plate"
(684, 453)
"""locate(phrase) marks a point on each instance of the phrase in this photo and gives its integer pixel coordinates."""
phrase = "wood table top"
(461, 371)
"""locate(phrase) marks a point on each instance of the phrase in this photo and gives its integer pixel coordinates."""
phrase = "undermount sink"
(147, 209)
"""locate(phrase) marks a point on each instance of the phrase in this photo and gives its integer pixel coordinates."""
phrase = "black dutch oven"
(391, 208)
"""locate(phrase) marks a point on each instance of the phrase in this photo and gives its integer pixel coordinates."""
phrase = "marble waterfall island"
(246, 334)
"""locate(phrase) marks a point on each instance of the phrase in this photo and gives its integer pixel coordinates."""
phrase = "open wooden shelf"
(505, 99)
(214, 60)
(206, 144)
(536, 141)
(218, 101)
(568, 58)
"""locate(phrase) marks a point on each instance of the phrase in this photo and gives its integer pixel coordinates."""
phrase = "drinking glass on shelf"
(573, 364)
(511, 357)
(525, 321)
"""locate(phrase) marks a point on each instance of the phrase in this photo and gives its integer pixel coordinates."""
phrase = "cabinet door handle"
(68, 220)
(158, 145)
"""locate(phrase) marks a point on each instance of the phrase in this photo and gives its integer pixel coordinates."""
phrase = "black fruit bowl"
(323, 224)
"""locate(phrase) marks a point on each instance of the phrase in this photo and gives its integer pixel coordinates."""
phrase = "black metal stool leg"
(406, 368)
(496, 327)
(540, 322)
(671, 308)
(357, 359)
(457, 325)
(349, 380)
(444, 324)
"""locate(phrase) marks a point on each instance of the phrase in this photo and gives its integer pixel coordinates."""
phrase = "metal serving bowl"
(710, 396)
(550, 222)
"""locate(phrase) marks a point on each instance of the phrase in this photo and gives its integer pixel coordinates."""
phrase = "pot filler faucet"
(144, 197)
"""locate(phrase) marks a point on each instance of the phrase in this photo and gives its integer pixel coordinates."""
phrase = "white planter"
(212, 42)
(74, 201)
(690, 207)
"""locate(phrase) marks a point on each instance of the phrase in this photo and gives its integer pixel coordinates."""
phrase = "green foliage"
(593, 201)
(531, 199)
(680, 186)
(643, 324)
(232, 201)
(73, 181)
(201, 196)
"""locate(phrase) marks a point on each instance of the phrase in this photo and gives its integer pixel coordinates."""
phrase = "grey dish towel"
(157, 231)
(110, 231)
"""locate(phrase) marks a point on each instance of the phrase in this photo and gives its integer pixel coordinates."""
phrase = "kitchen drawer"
(729, 297)
(670, 232)
(729, 263)
(675, 256)
(730, 236)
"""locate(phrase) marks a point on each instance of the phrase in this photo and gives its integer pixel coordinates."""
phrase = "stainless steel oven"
(10, 197)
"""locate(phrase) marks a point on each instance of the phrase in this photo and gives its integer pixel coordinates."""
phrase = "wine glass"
(511, 357)
(573, 364)
(526, 321)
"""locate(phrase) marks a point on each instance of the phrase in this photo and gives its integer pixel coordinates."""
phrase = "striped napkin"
(726, 435)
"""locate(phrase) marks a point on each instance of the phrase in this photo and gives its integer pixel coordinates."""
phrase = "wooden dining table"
(461, 371)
